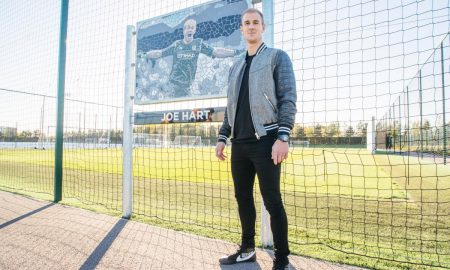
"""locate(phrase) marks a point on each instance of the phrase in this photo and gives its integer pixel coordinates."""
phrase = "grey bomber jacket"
(272, 93)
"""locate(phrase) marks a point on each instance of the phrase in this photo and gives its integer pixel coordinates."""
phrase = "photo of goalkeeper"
(185, 54)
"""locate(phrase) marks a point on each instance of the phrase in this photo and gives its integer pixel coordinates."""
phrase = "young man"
(260, 114)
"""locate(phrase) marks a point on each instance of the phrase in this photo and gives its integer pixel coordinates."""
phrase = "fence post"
(266, 232)
(400, 124)
(127, 145)
(58, 173)
(444, 152)
(371, 137)
(40, 144)
(421, 114)
(394, 130)
(408, 127)
(84, 124)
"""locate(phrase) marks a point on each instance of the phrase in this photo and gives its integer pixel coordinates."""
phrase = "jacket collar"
(261, 48)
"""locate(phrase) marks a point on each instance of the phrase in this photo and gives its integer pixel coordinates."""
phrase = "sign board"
(186, 55)
(180, 116)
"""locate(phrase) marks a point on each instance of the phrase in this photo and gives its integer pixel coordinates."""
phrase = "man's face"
(252, 27)
(190, 26)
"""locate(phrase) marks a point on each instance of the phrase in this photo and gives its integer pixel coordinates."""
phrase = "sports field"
(380, 206)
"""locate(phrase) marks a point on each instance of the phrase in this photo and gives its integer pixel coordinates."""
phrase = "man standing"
(185, 54)
(260, 114)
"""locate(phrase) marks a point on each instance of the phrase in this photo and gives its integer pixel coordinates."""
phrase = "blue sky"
(352, 59)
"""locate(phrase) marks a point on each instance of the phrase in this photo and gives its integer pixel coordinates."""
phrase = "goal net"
(150, 140)
(185, 140)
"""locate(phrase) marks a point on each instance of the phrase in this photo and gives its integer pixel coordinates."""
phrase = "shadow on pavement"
(3, 225)
(102, 248)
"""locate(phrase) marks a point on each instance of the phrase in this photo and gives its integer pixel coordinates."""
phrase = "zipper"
(251, 112)
(268, 100)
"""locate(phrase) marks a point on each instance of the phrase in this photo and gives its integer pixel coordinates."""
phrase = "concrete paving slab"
(41, 235)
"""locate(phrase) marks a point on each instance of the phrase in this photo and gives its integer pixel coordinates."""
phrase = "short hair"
(252, 10)
(190, 20)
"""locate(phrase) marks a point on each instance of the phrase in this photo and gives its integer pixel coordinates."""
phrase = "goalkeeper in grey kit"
(185, 54)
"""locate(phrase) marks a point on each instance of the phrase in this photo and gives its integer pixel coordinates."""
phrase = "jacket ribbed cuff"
(284, 130)
(222, 138)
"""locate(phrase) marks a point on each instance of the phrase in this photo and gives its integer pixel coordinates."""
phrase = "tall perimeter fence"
(417, 122)
(367, 181)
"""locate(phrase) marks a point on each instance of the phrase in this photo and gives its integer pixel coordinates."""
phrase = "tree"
(349, 132)
(199, 129)
(184, 129)
(318, 131)
(213, 130)
(361, 129)
(426, 125)
(332, 130)
(415, 128)
(192, 130)
(213, 133)
(25, 134)
(396, 129)
(36, 133)
(299, 131)
(309, 131)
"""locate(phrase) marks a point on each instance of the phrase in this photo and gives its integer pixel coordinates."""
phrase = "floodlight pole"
(58, 172)
(127, 144)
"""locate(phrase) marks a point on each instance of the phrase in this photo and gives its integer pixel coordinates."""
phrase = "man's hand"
(280, 151)
(220, 146)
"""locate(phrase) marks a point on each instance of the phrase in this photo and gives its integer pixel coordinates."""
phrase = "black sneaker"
(242, 255)
(280, 263)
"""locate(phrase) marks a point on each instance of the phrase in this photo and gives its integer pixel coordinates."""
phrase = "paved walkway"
(41, 235)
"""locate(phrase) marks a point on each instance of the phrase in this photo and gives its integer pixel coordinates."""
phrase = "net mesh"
(353, 60)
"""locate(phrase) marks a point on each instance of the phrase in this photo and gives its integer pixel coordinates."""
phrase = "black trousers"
(247, 160)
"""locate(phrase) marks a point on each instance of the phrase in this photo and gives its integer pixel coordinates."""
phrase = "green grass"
(343, 204)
